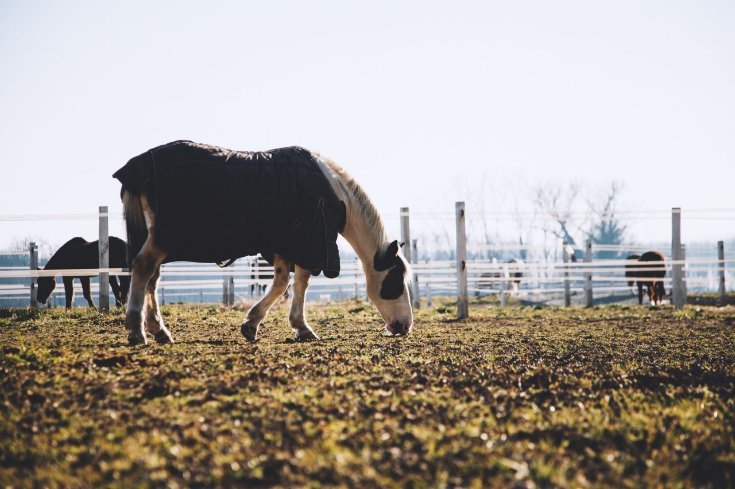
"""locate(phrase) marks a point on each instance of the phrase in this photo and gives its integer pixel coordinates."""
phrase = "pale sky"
(419, 101)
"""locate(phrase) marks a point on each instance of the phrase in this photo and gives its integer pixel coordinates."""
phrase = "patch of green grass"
(614, 396)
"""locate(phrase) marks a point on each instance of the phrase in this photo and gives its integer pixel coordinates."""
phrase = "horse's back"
(655, 262)
(630, 271)
(212, 204)
(69, 255)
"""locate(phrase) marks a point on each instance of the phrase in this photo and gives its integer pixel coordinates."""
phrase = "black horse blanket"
(213, 204)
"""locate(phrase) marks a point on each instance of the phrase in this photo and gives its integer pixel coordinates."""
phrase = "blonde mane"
(361, 200)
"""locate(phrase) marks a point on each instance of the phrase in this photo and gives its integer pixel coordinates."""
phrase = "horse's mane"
(363, 202)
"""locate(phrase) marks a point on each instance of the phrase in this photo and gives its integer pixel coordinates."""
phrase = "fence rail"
(463, 275)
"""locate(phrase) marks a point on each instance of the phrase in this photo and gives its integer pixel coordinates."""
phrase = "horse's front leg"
(68, 291)
(257, 313)
(153, 320)
(86, 290)
(297, 316)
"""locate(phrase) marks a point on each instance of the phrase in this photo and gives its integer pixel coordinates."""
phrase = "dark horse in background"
(78, 253)
(648, 270)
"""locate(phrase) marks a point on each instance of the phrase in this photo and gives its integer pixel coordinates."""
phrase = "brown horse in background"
(647, 270)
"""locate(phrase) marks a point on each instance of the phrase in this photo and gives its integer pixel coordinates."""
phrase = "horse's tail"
(134, 224)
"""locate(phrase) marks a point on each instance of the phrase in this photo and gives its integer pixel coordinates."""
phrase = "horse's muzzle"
(398, 328)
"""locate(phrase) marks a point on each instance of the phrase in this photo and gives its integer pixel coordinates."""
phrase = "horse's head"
(387, 288)
(46, 285)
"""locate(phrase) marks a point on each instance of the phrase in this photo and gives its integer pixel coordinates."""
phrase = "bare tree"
(22, 244)
(605, 225)
(523, 219)
(556, 202)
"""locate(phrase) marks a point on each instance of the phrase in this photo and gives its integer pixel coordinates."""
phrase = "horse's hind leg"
(144, 267)
(153, 320)
(68, 291)
(296, 316)
(661, 292)
(258, 312)
(115, 290)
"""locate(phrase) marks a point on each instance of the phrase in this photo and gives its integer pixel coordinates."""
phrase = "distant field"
(618, 396)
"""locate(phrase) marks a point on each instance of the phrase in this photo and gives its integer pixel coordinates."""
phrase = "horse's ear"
(392, 249)
(385, 260)
(403, 244)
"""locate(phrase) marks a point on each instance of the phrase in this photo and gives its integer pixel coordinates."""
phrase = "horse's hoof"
(249, 331)
(307, 335)
(136, 338)
(164, 337)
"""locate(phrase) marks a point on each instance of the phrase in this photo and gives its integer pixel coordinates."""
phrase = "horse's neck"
(358, 234)
(364, 237)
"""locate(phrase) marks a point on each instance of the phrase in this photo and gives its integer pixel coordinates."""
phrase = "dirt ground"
(613, 396)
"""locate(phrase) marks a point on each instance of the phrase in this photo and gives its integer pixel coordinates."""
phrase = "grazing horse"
(78, 253)
(511, 271)
(649, 270)
(515, 272)
(201, 203)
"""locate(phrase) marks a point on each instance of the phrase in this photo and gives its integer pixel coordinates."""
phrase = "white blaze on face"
(388, 289)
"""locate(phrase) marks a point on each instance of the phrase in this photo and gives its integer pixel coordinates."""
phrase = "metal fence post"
(677, 293)
(721, 270)
(565, 258)
(103, 246)
(588, 299)
(33, 260)
(462, 301)
(414, 261)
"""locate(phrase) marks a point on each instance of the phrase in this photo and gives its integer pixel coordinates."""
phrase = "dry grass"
(611, 396)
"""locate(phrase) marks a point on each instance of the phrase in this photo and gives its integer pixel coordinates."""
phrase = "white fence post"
(103, 246)
(677, 292)
(684, 291)
(406, 239)
(565, 258)
(357, 279)
(33, 260)
(721, 270)
(406, 233)
(462, 301)
(414, 261)
(588, 299)
(228, 288)
(231, 286)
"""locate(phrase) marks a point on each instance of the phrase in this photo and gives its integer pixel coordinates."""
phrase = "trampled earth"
(618, 396)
